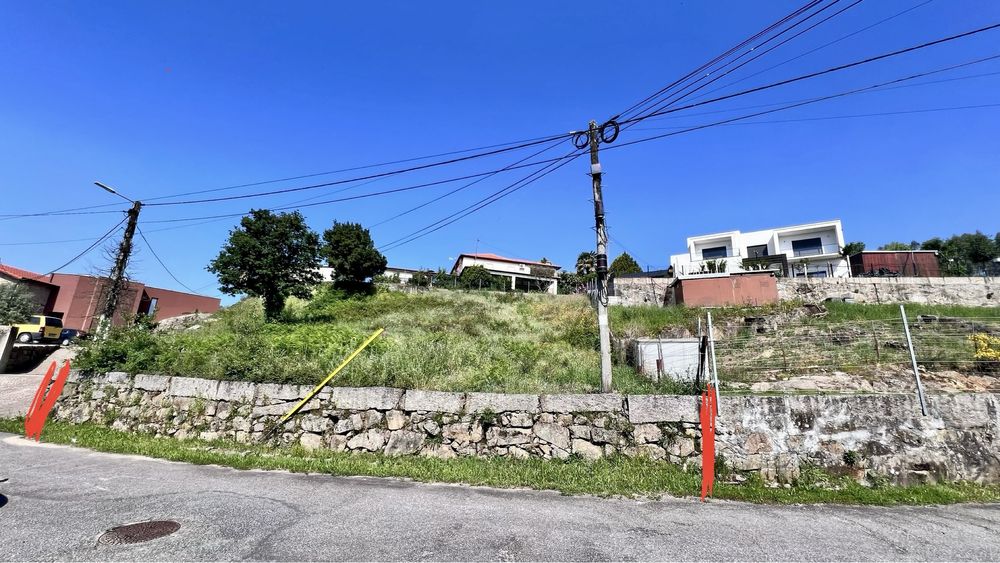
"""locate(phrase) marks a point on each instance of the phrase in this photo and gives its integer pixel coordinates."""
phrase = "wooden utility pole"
(117, 277)
(602, 259)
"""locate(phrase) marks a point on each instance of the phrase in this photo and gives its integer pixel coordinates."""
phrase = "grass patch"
(439, 340)
(618, 476)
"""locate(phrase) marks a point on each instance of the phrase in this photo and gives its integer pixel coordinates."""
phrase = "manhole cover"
(139, 532)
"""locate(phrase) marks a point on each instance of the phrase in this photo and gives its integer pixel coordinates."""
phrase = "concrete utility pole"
(595, 136)
(117, 277)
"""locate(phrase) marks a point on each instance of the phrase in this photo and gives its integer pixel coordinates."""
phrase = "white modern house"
(810, 250)
(525, 275)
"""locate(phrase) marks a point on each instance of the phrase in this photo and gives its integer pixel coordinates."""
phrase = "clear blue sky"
(160, 98)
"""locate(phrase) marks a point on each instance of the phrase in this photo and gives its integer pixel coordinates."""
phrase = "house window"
(807, 247)
(714, 252)
(758, 251)
(152, 306)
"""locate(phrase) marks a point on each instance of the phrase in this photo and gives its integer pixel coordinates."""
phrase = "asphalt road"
(16, 393)
(60, 499)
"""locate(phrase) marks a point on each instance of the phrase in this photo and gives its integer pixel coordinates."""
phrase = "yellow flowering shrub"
(987, 347)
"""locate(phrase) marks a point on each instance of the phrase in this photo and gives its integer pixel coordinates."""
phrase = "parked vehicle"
(71, 335)
(39, 329)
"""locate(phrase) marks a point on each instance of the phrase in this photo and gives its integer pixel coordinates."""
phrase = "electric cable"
(164, 266)
(101, 239)
(815, 74)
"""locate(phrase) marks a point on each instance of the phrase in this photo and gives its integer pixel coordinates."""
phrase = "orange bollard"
(709, 410)
(45, 399)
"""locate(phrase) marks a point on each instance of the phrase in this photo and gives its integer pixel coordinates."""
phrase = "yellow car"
(39, 328)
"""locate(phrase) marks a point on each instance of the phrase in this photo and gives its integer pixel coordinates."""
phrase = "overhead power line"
(638, 105)
(720, 75)
(369, 177)
(802, 103)
(816, 74)
(488, 200)
(100, 239)
(372, 194)
(164, 266)
(462, 187)
(830, 117)
(821, 47)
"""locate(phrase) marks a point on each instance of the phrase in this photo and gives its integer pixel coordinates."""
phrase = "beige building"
(525, 275)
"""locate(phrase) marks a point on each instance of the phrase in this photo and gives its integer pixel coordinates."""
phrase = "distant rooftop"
(498, 258)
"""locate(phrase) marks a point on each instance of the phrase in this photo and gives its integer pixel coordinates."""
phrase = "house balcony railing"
(823, 250)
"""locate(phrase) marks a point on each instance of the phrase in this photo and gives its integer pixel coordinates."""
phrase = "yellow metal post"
(326, 380)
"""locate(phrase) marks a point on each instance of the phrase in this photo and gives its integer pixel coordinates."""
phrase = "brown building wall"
(748, 289)
(909, 264)
(79, 301)
(173, 303)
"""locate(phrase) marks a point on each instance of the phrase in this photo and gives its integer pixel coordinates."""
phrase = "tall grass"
(441, 340)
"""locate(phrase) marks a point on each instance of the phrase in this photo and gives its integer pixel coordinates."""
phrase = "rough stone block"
(74, 376)
(433, 401)
(586, 450)
(394, 420)
(646, 433)
(116, 378)
(193, 387)
(276, 392)
(236, 391)
(363, 398)
(280, 408)
(552, 433)
(496, 402)
(662, 408)
(155, 383)
(371, 440)
(404, 442)
(605, 402)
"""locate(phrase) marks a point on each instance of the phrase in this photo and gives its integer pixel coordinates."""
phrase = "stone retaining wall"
(975, 292)
(772, 436)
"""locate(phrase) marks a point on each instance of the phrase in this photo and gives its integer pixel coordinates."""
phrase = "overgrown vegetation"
(521, 343)
(614, 476)
(444, 340)
(16, 303)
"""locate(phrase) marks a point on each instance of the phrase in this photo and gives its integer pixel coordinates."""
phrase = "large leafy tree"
(271, 256)
(350, 251)
(16, 303)
(586, 264)
(478, 277)
(852, 248)
(624, 264)
(899, 246)
(965, 254)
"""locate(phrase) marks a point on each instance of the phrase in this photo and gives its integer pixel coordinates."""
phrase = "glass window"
(714, 252)
(758, 251)
(807, 246)
(36, 320)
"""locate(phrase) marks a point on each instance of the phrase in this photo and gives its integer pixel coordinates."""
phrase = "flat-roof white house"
(525, 275)
(809, 250)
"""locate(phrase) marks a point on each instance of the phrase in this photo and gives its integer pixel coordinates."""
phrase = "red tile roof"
(497, 257)
(19, 273)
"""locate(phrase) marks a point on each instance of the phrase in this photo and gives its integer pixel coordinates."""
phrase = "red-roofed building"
(76, 299)
(525, 275)
(42, 291)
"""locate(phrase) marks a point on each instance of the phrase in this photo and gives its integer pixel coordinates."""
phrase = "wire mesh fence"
(860, 346)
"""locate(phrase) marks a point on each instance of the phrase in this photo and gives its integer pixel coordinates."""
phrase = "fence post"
(913, 360)
(711, 353)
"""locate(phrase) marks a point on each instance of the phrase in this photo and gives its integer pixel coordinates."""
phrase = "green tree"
(932, 244)
(478, 277)
(624, 264)
(895, 246)
(586, 264)
(852, 248)
(16, 303)
(350, 251)
(271, 256)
